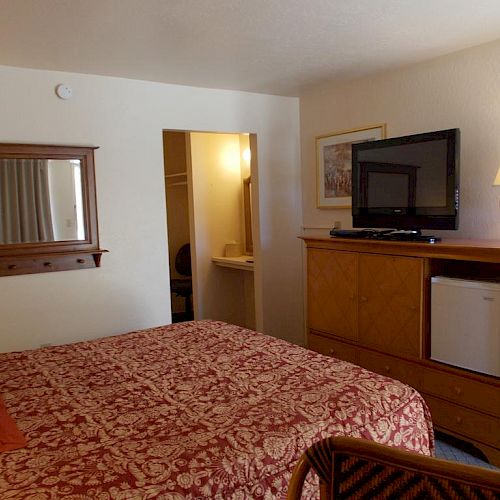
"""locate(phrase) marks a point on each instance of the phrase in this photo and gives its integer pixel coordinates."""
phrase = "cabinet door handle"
(363, 298)
(458, 420)
(12, 266)
(387, 369)
(332, 351)
(47, 264)
(80, 261)
(457, 390)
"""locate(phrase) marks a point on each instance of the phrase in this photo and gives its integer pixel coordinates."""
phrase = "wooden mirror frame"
(42, 257)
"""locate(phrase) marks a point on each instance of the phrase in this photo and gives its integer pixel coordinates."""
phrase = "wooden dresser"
(369, 303)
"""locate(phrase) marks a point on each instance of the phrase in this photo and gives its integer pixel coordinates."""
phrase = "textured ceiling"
(270, 46)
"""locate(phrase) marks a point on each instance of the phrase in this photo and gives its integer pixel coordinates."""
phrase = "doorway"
(209, 208)
(175, 150)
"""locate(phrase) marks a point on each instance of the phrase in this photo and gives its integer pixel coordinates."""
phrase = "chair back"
(357, 469)
(183, 260)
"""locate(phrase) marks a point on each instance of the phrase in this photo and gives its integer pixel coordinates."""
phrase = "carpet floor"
(450, 448)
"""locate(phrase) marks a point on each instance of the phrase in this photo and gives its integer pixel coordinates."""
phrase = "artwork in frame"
(334, 168)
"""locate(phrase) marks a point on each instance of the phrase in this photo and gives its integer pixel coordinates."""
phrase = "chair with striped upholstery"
(358, 469)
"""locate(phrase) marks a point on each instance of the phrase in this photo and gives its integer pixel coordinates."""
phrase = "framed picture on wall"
(333, 164)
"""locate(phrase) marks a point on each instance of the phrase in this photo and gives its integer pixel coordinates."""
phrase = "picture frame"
(333, 164)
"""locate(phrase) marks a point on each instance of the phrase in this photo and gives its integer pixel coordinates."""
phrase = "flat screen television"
(407, 183)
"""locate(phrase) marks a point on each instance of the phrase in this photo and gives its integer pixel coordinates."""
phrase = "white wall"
(126, 118)
(460, 90)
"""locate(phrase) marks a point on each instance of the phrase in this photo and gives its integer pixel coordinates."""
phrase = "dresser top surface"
(463, 249)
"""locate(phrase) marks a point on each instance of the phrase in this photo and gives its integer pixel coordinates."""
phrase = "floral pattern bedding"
(193, 410)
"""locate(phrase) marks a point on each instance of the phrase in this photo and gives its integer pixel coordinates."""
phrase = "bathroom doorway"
(210, 203)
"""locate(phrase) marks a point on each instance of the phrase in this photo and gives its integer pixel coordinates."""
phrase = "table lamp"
(496, 182)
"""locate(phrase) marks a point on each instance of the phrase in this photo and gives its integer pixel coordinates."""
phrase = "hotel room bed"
(197, 409)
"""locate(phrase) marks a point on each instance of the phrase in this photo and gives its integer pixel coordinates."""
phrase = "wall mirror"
(247, 215)
(48, 213)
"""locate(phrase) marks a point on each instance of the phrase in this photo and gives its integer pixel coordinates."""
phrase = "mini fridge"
(465, 324)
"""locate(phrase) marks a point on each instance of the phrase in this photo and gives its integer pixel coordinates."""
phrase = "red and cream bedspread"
(194, 410)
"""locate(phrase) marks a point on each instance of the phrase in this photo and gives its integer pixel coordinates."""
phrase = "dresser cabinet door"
(332, 297)
(390, 303)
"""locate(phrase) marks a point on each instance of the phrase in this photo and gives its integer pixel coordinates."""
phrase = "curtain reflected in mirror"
(41, 200)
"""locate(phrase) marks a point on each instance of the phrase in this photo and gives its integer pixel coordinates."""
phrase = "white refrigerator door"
(465, 324)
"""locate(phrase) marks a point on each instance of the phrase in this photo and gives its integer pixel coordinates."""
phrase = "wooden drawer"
(461, 390)
(332, 347)
(468, 423)
(408, 373)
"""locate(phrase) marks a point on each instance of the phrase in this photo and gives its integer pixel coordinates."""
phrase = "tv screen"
(408, 183)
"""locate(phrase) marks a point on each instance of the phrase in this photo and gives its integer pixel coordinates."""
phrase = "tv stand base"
(372, 307)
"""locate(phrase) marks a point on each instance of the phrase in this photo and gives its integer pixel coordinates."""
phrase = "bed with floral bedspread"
(193, 410)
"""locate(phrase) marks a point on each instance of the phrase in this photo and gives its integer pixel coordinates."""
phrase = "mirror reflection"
(41, 200)
(247, 215)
